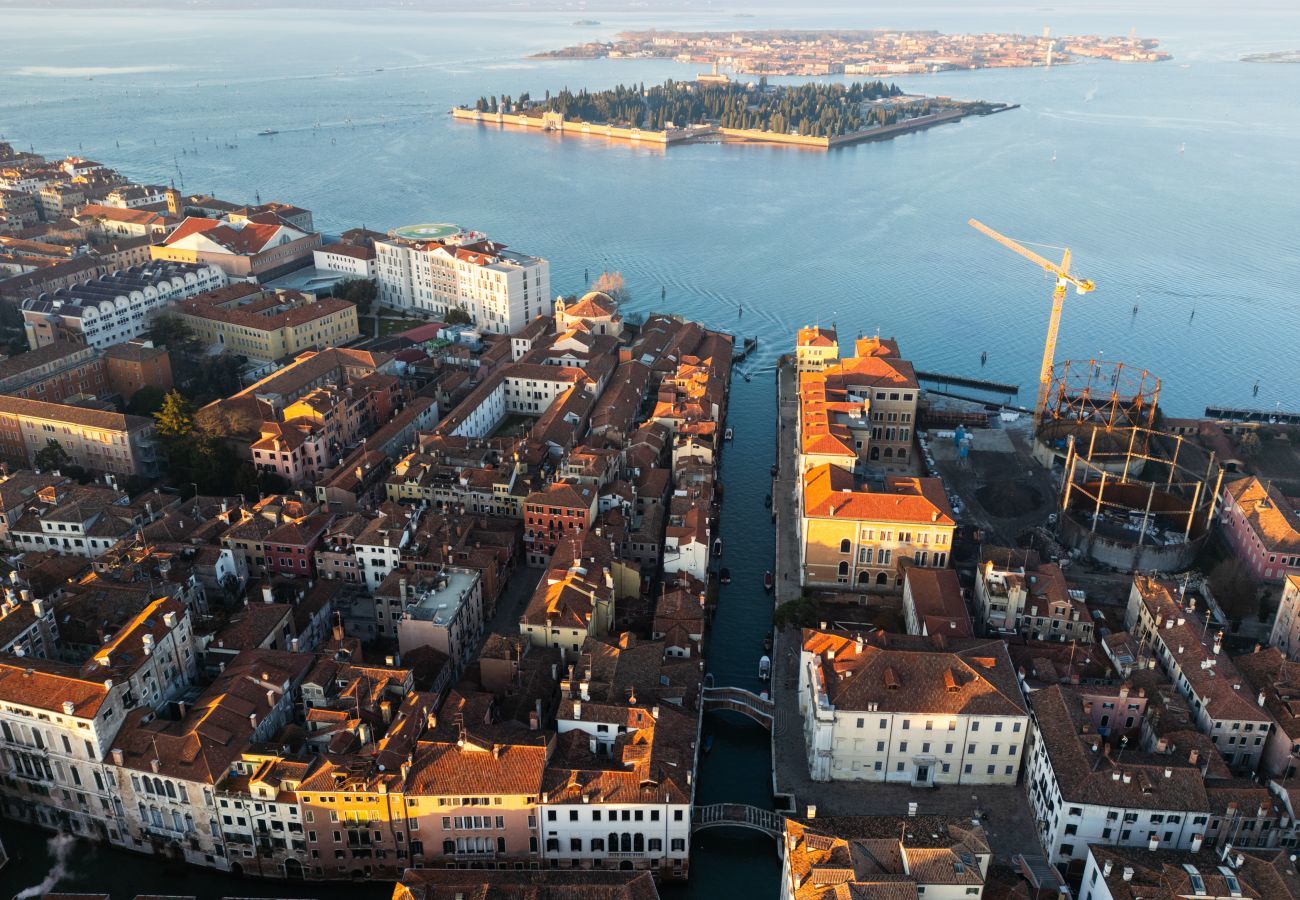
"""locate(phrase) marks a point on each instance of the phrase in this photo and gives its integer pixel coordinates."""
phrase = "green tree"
(457, 316)
(146, 401)
(52, 456)
(169, 331)
(175, 418)
(361, 291)
(801, 613)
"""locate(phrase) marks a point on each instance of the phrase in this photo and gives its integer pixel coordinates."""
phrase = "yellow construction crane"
(1063, 278)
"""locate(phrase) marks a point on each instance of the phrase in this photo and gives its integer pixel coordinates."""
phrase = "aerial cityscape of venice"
(625, 450)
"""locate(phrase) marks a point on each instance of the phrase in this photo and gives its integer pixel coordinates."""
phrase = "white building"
(1083, 791)
(349, 259)
(500, 289)
(56, 727)
(1017, 593)
(443, 610)
(114, 308)
(907, 712)
(592, 808)
(1223, 705)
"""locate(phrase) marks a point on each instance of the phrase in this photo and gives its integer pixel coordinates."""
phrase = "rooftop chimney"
(1128, 873)
(1197, 841)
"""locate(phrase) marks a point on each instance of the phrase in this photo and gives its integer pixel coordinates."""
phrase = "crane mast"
(1063, 280)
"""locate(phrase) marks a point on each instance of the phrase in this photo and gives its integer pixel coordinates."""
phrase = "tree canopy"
(52, 456)
(818, 110)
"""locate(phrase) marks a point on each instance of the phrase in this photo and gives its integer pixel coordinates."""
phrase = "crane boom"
(1063, 278)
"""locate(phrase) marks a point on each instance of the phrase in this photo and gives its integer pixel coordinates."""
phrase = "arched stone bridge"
(747, 703)
(737, 815)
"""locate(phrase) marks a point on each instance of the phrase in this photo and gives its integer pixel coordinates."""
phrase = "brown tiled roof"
(832, 492)
(907, 674)
(1270, 514)
(48, 685)
(72, 415)
(441, 769)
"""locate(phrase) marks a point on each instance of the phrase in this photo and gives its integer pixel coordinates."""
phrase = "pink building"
(1263, 527)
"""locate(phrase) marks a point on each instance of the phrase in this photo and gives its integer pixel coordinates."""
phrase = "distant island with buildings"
(857, 52)
(715, 108)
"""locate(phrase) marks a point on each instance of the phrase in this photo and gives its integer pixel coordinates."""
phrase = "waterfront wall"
(569, 126)
(553, 122)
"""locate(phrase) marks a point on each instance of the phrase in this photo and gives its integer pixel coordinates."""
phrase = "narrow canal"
(728, 862)
(736, 862)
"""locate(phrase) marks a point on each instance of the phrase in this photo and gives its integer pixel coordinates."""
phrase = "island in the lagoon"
(1273, 56)
(850, 52)
(716, 108)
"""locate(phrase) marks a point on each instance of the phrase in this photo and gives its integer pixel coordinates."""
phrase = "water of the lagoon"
(872, 237)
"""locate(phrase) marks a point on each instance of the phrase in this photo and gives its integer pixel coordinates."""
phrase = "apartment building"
(896, 708)
(1263, 527)
(1083, 789)
(499, 289)
(53, 372)
(573, 601)
(1016, 592)
(110, 309)
(265, 324)
(442, 610)
(859, 413)
(1119, 873)
(854, 537)
(617, 789)
(111, 222)
(350, 259)
(167, 769)
(1191, 653)
(883, 856)
(560, 511)
(135, 365)
(1285, 635)
(96, 440)
(57, 726)
(933, 603)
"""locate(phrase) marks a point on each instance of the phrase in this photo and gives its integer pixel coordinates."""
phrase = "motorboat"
(724, 576)
(765, 667)
(708, 743)
(768, 582)
(729, 433)
(267, 132)
(717, 546)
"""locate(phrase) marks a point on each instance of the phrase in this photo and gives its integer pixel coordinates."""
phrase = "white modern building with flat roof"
(443, 611)
(499, 289)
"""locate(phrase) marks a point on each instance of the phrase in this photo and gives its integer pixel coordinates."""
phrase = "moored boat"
(729, 433)
(765, 667)
(724, 576)
(767, 581)
(717, 546)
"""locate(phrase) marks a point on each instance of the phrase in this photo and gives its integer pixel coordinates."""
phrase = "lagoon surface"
(1175, 185)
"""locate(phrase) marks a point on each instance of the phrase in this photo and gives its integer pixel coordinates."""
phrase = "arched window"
(844, 568)
(875, 453)
(625, 843)
(158, 787)
(864, 578)
(638, 843)
(902, 454)
(845, 546)
(171, 790)
(613, 842)
(448, 846)
(889, 452)
(882, 579)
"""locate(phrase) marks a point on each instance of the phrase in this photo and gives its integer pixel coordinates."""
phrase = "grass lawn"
(393, 326)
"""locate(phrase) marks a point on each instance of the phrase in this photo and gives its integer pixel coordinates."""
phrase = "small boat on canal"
(717, 546)
(767, 581)
(724, 576)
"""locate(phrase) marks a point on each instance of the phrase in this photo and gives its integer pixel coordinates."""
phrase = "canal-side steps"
(737, 815)
(747, 703)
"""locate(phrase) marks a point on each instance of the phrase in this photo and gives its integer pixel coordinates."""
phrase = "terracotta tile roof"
(443, 769)
(906, 674)
(1129, 779)
(937, 599)
(832, 492)
(49, 685)
(816, 336)
(1270, 514)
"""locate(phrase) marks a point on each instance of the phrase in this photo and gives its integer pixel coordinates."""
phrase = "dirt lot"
(1002, 488)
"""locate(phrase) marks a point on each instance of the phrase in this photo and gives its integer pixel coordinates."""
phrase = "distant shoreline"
(1274, 56)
